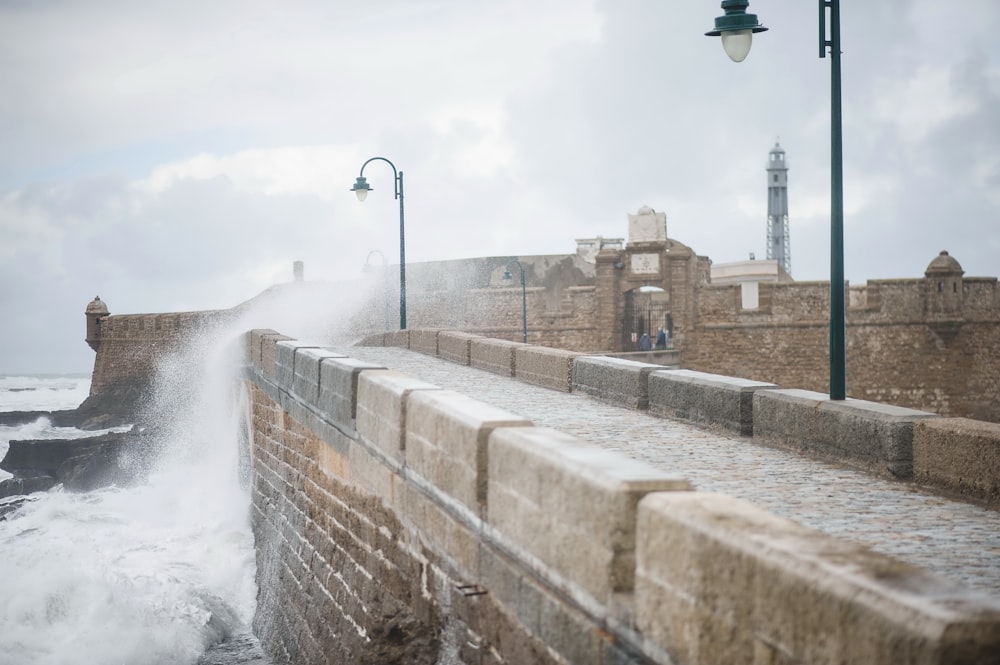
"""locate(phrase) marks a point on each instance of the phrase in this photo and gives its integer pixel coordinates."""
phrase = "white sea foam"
(158, 572)
(42, 393)
(148, 574)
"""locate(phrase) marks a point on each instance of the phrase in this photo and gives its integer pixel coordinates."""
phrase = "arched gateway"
(647, 284)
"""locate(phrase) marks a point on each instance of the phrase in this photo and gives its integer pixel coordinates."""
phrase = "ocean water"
(151, 574)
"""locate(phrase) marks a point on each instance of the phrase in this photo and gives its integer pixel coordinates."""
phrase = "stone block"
(699, 397)
(493, 355)
(338, 389)
(542, 366)
(284, 361)
(615, 380)
(424, 341)
(959, 455)
(868, 435)
(306, 377)
(381, 410)
(570, 505)
(400, 338)
(720, 581)
(446, 441)
(265, 352)
(455, 346)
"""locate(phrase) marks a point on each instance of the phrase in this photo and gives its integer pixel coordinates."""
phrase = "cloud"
(183, 155)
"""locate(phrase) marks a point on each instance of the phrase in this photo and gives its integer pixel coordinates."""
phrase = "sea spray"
(158, 572)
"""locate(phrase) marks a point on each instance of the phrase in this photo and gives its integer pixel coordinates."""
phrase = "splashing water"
(159, 572)
(149, 574)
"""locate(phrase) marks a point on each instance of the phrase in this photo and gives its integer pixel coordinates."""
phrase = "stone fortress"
(398, 521)
(926, 343)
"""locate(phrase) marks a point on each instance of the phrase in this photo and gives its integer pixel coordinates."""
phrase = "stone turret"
(945, 290)
(96, 311)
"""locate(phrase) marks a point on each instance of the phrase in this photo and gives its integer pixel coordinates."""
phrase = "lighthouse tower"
(777, 209)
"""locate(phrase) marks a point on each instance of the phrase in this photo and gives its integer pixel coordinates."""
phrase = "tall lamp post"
(385, 287)
(736, 29)
(361, 189)
(507, 277)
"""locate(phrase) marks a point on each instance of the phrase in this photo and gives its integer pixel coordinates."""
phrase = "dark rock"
(9, 505)
(79, 464)
(17, 486)
(115, 406)
(68, 418)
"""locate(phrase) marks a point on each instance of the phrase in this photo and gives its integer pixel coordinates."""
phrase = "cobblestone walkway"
(953, 539)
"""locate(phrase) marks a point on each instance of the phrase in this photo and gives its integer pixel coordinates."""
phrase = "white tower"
(777, 209)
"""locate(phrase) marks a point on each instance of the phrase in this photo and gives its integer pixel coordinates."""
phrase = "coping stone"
(869, 435)
(700, 397)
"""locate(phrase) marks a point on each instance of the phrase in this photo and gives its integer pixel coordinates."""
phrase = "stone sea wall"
(400, 522)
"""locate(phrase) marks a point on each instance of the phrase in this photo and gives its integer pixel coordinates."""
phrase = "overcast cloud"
(181, 155)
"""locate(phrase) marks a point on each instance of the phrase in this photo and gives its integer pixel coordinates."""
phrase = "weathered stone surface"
(615, 380)
(424, 340)
(286, 354)
(720, 581)
(381, 410)
(705, 398)
(446, 441)
(306, 373)
(959, 455)
(570, 504)
(542, 366)
(875, 437)
(338, 389)
(455, 346)
(494, 355)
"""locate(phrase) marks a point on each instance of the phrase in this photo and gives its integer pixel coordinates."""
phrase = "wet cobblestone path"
(954, 539)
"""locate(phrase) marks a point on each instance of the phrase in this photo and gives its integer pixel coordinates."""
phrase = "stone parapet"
(285, 356)
(571, 505)
(455, 346)
(338, 389)
(381, 410)
(306, 372)
(494, 355)
(616, 380)
(721, 581)
(708, 399)
(446, 442)
(400, 338)
(958, 455)
(423, 340)
(393, 517)
(872, 436)
(542, 366)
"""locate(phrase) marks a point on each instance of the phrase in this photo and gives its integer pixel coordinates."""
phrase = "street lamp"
(524, 299)
(361, 189)
(736, 29)
(739, 25)
(385, 289)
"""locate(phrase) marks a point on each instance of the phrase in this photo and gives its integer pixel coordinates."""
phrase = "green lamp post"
(361, 189)
(507, 277)
(736, 29)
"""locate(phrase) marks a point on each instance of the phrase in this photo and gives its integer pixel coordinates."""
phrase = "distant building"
(778, 247)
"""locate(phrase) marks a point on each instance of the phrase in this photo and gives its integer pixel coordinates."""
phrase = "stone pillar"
(609, 299)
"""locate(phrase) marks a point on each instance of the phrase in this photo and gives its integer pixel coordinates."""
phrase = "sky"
(175, 156)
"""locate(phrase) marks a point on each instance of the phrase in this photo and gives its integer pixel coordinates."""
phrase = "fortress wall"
(425, 523)
(902, 348)
(129, 348)
(564, 319)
